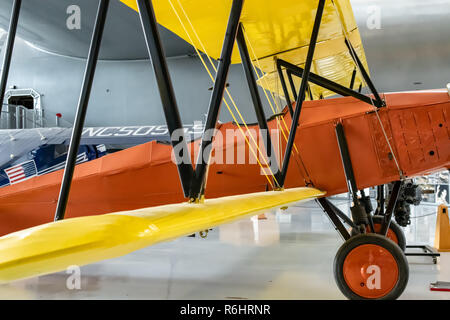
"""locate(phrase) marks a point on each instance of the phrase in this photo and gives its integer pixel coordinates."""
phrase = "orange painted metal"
(417, 125)
(390, 234)
(359, 269)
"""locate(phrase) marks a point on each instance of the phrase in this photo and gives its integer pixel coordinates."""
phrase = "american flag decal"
(82, 157)
(21, 172)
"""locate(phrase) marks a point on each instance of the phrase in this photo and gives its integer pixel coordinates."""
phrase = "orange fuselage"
(416, 124)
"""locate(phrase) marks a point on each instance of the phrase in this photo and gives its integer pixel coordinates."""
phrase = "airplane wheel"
(395, 232)
(369, 267)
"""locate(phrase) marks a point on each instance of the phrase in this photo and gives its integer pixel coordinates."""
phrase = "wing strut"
(9, 49)
(302, 91)
(166, 92)
(285, 90)
(198, 184)
(325, 83)
(292, 84)
(259, 110)
(83, 103)
(380, 102)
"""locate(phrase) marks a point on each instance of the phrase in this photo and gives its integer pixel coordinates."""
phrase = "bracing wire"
(266, 85)
(344, 31)
(227, 91)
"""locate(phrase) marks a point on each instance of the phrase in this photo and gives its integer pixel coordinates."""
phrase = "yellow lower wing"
(55, 246)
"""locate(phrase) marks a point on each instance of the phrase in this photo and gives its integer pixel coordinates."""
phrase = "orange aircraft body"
(416, 124)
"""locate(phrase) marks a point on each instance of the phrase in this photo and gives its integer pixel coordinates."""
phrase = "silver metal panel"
(43, 23)
(411, 50)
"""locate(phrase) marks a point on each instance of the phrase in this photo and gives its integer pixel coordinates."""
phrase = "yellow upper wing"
(55, 246)
(274, 29)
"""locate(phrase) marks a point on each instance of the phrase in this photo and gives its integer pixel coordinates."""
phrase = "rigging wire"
(352, 53)
(262, 78)
(227, 91)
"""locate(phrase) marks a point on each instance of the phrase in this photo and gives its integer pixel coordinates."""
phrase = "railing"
(60, 122)
(19, 117)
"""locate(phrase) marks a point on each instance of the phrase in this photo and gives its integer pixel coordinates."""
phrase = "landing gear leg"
(358, 209)
(369, 265)
(394, 231)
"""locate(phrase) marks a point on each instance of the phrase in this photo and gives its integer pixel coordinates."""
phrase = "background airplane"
(407, 49)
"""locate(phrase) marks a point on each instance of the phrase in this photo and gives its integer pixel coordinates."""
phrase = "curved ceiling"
(43, 23)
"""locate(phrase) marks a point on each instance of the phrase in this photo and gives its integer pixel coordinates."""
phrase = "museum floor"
(289, 255)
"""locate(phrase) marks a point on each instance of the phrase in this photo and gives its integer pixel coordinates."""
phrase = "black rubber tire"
(382, 241)
(396, 229)
(393, 226)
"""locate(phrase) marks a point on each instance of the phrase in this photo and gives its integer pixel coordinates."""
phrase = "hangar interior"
(105, 153)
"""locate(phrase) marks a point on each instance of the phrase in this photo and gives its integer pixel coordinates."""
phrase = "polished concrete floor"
(287, 256)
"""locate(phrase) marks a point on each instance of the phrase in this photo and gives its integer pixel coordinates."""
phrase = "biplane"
(325, 145)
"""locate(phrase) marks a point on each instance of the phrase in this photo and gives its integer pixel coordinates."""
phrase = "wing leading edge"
(55, 246)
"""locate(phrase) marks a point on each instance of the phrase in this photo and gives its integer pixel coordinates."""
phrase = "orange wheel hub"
(370, 271)
(390, 234)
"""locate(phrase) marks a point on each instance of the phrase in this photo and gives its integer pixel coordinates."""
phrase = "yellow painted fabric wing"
(55, 246)
(279, 29)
